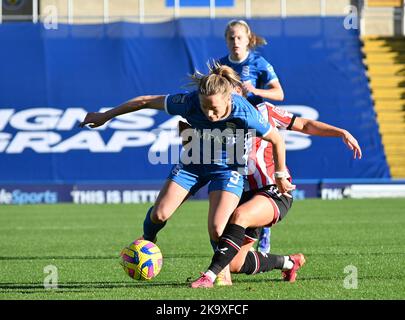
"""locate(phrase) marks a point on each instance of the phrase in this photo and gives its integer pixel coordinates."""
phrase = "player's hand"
(94, 120)
(284, 186)
(352, 143)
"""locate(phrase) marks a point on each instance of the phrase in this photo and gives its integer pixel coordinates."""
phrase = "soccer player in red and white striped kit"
(263, 205)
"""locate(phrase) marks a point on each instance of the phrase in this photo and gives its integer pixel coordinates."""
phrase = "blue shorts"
(193, 177)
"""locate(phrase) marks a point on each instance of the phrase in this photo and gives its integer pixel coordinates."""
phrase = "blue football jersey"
(231, 133)
(254, 69)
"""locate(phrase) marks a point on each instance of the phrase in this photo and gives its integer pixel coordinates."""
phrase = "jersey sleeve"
(282, 118)
(267, 73)
(178, 104)
(256, 121)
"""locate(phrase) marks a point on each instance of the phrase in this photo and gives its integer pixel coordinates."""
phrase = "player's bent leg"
(170, 198)
(234, 233)
(257, 262)
(239, 260)
(222, 204)
(256, 212)
(228, 247)
(261, 210)
(281, 205)
(225, 191)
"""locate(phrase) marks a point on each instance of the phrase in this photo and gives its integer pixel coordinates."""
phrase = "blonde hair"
(254, 40)
(221, 79)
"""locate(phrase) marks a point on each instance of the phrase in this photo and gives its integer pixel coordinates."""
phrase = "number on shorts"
(235, 177)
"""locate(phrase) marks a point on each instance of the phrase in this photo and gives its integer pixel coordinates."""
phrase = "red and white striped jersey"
(260, 161)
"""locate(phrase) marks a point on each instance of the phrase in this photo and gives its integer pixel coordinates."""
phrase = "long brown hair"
(254, 40)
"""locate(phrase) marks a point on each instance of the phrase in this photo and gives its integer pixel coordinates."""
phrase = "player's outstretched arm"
(281, 175)
(97, 119)
(273, 91)
(318, 128)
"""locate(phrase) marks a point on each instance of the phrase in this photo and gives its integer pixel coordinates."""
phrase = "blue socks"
(151, 229)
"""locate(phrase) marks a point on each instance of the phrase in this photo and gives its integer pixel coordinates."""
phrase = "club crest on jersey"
(270, 68)
(261, 119)
(179, 98)
(231, 125)
(245, 71)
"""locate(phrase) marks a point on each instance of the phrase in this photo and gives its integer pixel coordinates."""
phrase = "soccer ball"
(141, 260)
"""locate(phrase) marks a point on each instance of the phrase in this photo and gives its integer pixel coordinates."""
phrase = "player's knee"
(235, 266)
(215, 235)
(216, 232)
(160, 215)
(240, 217)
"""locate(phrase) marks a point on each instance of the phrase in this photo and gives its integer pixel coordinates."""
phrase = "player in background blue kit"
(258, 77)
(213, 106)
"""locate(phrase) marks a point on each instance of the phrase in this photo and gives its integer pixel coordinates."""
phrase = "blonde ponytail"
(220, 79)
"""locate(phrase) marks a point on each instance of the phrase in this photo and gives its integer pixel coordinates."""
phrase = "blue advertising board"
(49, 79)
(109, 193)
(119, 193)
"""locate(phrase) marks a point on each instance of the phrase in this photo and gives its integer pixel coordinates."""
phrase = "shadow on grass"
(84, 286)
(111, 257)
(180, 256)
(59, 258)
(312, 278)
(153, 284)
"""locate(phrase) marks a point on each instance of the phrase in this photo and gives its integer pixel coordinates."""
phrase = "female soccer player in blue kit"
(258, 77)
(212, 106)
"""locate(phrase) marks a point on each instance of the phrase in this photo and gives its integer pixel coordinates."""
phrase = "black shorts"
(281, 204)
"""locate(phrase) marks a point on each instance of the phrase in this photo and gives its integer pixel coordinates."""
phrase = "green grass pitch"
(83, 242)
